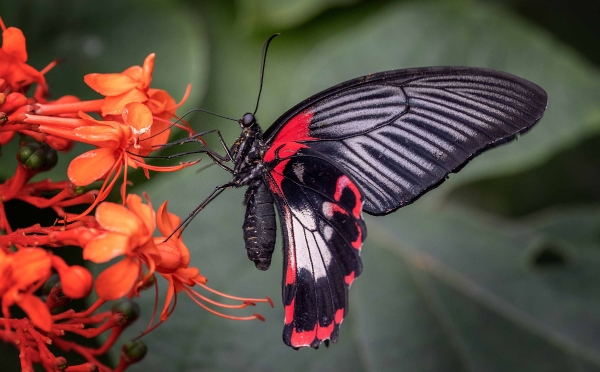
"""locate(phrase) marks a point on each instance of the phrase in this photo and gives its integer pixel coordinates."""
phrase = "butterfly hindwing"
(400, 133)
(320, 211)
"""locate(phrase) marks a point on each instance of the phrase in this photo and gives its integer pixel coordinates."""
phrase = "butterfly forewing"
(320, 208)
(400, 133)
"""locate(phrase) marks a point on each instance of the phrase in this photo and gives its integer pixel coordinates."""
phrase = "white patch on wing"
(306, 216)
(320, 257)
(302, 250)
(327, 209)
(311, 249)
(298, 169)
(328, 232)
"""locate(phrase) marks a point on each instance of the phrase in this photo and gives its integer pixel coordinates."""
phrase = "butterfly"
(373, 144)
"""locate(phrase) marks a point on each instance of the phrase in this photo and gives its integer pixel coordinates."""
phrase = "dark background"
(496, 270)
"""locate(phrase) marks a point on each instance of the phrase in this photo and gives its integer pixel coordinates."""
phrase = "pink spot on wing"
(349, 278)
(303, 338)
(344, 182)
(289, 312)
(330, 208)
(324, 332)
(277, 175)
(359, 240)
(339, 316)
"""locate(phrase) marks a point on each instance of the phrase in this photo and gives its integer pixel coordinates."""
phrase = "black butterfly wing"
(320, 210)
(400, 133)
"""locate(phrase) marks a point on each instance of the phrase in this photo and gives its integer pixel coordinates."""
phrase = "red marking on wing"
(358, 242)
(339, 316)
(289, 312)
(304, 338)
(330, 208)
(349, 278)
(325, 332)
(290, 275)
(344, 182)
(296, 129)
(277, 175)
(291, 133)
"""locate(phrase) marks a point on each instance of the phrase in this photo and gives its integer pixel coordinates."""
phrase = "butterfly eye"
(247, 120)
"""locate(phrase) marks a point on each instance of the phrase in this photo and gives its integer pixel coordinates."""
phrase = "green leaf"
(282, 14)
(478, 273)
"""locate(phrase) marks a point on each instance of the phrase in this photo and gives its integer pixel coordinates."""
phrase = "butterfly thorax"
(246, 156)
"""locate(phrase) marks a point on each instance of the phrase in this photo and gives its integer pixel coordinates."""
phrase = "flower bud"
(50, 158)
(60, 364)
(31, 155)
(56, 298)
(148, 283)
(76, 281)
(170, 257)
(127, 307)
(37, 156)
(79, 190)
(134, 351)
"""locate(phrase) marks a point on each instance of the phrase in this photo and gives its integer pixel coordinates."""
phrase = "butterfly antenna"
(184, 115)
(262, 68)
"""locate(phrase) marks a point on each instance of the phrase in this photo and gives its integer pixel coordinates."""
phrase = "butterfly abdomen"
(259, 225)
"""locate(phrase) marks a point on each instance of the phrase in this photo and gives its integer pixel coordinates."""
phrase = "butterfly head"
(248, 120)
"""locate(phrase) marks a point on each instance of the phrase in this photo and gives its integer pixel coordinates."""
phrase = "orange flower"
(174, 267)
(128, 232)
(118, 146)
(122, 88)
(21, 273)
(13, 56)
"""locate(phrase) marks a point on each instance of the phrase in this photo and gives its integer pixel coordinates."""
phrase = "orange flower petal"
(185, 253)
(91, 166)
(110, 84)
(31, 265)
(143, 211)
(138, 117)
(166, 222)
(114, 105)
(116, 218)
(36, 311)
(134, 72)
(116, 281)
(170, 256)
(101, 136)
(106, 247)
(147, 69)
(164, 314)
(13, 43)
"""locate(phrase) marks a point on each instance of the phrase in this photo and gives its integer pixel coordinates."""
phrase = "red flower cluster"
(135, 120)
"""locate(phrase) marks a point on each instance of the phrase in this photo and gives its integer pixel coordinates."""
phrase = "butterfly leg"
(184, 224)
(197, 138)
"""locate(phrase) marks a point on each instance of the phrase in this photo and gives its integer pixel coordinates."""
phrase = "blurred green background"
(496, 270)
